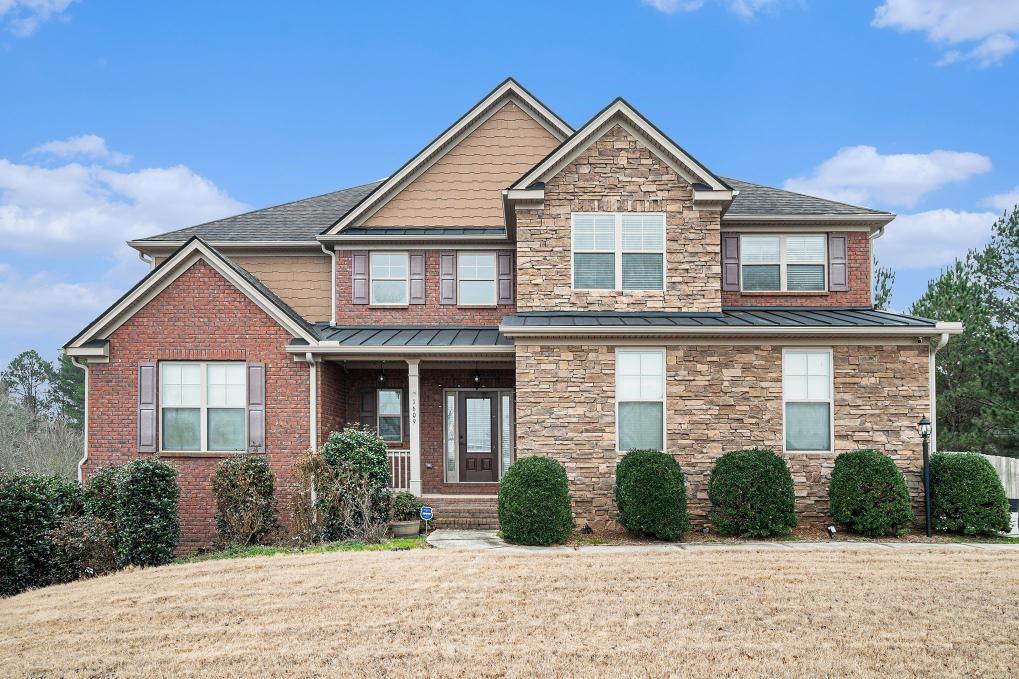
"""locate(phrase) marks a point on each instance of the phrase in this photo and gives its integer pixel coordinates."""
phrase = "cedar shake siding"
(464, 187)
(718, 399)
(617, 173)
(198, 317)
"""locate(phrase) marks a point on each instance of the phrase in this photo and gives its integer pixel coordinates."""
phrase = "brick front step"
(463, 512)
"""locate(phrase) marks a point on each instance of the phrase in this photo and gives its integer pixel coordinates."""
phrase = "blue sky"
(120, 120)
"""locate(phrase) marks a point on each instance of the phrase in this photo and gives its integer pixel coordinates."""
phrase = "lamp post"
(923, 427)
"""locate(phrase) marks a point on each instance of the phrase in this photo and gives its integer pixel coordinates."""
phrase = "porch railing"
(399, 469)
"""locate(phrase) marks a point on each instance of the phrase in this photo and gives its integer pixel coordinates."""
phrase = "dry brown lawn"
(431, 612)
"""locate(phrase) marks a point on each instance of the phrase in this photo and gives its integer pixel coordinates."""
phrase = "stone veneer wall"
(718, 399)
(617, 173)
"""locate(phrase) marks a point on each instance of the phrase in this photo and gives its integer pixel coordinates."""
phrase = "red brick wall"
(858, 246)
(200, 316)
(429, 313)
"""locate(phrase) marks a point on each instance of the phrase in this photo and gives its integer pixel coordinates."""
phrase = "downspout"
(873, 237)
(309, 358)
(84, 424)
(332, 282)
(151, 261)
(935, 348)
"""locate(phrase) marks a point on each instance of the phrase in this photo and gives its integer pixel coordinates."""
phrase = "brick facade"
(718, 399)
(200, 316)
(618, 174)
(858, 295)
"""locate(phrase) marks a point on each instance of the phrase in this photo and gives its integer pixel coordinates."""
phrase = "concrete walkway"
(484, 540)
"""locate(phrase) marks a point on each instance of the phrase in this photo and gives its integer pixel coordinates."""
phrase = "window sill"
(388, 306)
(205, 453)
(784, 293)
(477, 306)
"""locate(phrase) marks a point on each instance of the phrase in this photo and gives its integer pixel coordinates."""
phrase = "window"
(621, 251)
(389, 279)
(807, 399)
(640, 399)
(203, 406)
(476, 279)
(390, 404)
(783, 263)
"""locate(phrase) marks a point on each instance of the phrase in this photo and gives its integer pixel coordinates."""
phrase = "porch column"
(414, 404)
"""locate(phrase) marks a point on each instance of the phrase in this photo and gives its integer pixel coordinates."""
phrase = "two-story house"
(519, 287)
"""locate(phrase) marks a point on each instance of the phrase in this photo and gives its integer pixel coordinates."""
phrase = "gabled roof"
(621, 112)
(166, 273)
(755, 201)
(508, 90)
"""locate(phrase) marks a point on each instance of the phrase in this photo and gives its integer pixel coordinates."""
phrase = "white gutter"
(725, 330)
(84, 457)
(932, 387)
(313, 418)
(148, 259)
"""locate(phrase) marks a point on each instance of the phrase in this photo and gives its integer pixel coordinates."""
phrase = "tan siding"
(463, 188)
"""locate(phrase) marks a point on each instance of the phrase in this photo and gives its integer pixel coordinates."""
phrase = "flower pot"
(405, 529)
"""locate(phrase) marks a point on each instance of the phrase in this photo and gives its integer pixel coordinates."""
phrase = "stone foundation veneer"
(719, 398)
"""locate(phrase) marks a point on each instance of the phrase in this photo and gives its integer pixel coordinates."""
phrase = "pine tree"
(67, 392)
(27, 379)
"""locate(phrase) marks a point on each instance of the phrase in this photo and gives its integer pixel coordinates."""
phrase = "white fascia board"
(144, 245)
(877, 219)
(524, 194)
(720, 195)
(773, 331)
(88, 352)
(340, 238)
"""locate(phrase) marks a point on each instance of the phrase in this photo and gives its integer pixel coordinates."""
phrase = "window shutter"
(504, 273)
(359, 276)
(447, 277)
(417, 278)
(256, 408)
(838, 263)
(730, 261)
(147, 407)
(368, 409)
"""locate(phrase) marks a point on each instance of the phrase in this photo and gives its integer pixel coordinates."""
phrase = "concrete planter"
(405, 529)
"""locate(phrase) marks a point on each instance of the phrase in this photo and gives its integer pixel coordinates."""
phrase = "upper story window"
(475, 273)
(390, 282)
(807, 391)
(783, 263)
(619, 251)
(203, 406)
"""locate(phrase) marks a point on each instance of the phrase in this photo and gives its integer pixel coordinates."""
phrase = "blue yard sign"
(426, 513)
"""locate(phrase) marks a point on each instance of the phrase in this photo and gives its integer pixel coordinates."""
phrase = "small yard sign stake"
(426, 515)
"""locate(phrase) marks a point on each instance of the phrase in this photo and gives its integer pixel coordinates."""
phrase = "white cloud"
(745, 9)
(993, 25)
(98, 208)
(933, 238)
(87, 146)
(860, 175)
(23, 17)
(35, 302)
(673, 6)
(1003, 201)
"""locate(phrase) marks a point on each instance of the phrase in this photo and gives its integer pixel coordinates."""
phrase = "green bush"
(967, 495)
(406, 507)
(353, 488)
(244, 487)
(30, 507)
(868, 494)
(101, 493)
(751, 493)
(650, 495)
(534, 502)
(83, 547)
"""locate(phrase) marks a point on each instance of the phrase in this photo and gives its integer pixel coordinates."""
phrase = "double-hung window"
(390, 405)
(390, 283)
(619, 251)
(203, 406)
(807, 399)
(640, 399)
(476, 279)
(781, 263)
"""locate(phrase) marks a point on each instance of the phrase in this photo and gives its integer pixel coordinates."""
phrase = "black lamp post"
(923, 427)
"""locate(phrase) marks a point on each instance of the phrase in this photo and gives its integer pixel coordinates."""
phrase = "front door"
(479, 449)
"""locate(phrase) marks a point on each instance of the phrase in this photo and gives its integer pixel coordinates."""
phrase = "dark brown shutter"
(368, 409)
(838, 262)
(447, 277)
(359, 276)
(147, 407)
(256, 408)
(417, 278)
(730, 261)
(505, 277)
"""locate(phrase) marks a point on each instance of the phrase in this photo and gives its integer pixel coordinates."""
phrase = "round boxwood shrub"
(534, 502)
(650, 495)
(868, 494)
(244, 487)
(751, 493)
(967, 495)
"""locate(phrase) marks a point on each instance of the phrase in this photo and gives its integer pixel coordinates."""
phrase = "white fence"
(399, 469)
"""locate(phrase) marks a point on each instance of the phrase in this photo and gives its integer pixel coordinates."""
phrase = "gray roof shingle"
(756, 200)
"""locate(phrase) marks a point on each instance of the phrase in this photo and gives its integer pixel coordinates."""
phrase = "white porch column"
(414, 404)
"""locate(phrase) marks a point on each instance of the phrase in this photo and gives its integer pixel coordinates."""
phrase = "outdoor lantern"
(382, 374)
(923, 427)
(477, 375)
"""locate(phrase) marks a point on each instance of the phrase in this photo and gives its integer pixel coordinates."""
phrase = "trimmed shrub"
(30, 507)
(352, 485)
(83, 547)
(101, 493)
(966, 495)
(751, 494)
(868, 494)
(534, 502)
(244, 487)
(406, 507)
(650, 495)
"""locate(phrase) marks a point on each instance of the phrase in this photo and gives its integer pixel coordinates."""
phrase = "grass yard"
(431, 612)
